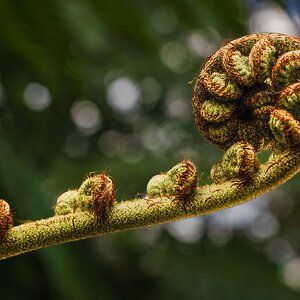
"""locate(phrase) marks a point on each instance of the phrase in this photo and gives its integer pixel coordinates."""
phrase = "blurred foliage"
(104, 85)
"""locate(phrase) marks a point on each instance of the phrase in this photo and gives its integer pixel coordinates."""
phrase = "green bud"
(157, 185)
(67, 203)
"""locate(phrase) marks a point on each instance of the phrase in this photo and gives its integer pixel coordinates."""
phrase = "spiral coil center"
(243, 84)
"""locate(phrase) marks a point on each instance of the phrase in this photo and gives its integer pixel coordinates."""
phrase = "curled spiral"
(249, 90)
(6, 220)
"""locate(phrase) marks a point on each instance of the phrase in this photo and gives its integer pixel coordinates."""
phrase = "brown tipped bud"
(97, 194)
(184, 179)
(179, 183)
(239, 162)
(6, 221)
(285, 128)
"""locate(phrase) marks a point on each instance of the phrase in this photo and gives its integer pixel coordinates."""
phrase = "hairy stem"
(148, 212)
(245, 100)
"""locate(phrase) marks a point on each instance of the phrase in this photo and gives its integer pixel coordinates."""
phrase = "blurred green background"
(90, 85)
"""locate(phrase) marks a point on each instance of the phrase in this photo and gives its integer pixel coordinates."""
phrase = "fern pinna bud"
(158, 186)
(285, 128)
(97, 194)
(184, 179)
(179, 182)
(241, 85)
(238, 162)
(67, 203)
(6, 220)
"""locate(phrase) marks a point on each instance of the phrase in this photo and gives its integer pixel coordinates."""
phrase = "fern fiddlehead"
(245, 100)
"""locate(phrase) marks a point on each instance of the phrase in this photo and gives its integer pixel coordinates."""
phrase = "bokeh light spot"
(174, 56)
(199, 45)
(123, 95)
(36, 96)
(187, 230)
(291, 273)
(270, 17)
(177, 107)
(86, 116)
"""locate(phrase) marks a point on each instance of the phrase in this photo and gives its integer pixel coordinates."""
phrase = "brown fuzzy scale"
(285, 128)
(97, 194)
(225, 132)
(261, 59)
(6, 220)
(216, 111)
(232, 63)
(258, 99)
(178, 184)
(284, 43)
(289, 100)
(185, 181)
(255, 74)
(286, 70)
(103, 196)
(182, 182)
(249, 163)
(238, 162)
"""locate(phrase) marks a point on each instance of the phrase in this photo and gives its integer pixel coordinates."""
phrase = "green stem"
(137, 213)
